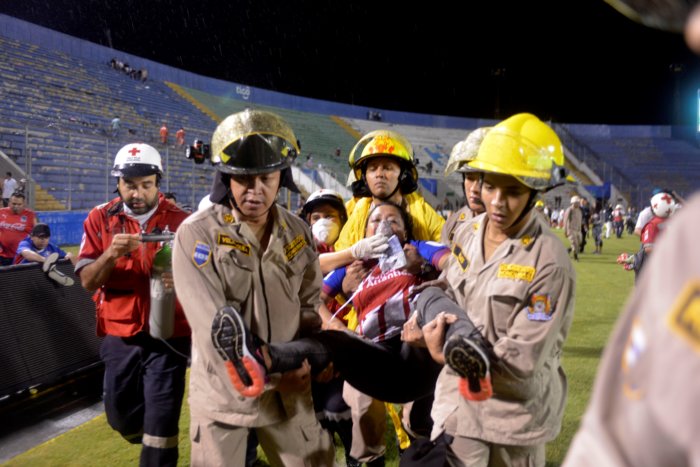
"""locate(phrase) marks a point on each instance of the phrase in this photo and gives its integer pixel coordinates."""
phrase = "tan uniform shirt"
(523, 299)
(453, 221)
(217, 261)
(644, 409)
(573, 219)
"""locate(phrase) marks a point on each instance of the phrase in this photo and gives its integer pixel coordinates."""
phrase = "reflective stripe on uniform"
(160, 442)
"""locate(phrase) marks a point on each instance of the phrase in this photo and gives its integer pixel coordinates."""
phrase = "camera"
(199, 152)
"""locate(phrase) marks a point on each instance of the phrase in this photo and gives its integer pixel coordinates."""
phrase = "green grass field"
(602, 289)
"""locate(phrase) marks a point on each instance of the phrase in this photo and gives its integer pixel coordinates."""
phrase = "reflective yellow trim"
(160, 442)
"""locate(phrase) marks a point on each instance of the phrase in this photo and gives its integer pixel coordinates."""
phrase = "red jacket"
(123, 302)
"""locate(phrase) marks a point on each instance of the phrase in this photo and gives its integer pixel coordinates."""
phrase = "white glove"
(371, 247)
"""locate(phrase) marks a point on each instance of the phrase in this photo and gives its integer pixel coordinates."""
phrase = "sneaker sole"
(468, 361)
(229, 332)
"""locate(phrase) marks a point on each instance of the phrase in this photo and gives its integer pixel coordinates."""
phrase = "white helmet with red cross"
(137, 160)
(662, 204)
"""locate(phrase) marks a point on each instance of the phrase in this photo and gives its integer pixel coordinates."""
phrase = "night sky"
(565, 60)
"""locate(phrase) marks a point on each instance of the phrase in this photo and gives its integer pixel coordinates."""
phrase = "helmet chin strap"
(528, 207)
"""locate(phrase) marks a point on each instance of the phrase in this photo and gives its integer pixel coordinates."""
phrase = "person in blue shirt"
(37, 246)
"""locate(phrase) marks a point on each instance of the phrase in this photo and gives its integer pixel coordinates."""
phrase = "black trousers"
(144, 384)
(391, 371)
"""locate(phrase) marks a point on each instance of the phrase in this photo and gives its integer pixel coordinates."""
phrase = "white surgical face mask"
(326, 231)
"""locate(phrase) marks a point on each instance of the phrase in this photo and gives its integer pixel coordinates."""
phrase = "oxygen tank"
(161, 321)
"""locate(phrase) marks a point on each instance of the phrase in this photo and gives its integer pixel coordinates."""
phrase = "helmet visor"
(257, 153)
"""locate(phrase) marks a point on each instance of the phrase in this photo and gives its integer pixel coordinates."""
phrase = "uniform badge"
(516, 272)
(635, 346)
(228, 218)
(201, 254)
(475, 226)
(461, 217)
(540, 308)
(526, 240)
(293, 248)
(225, 240)
(461, 259)
(684, 318)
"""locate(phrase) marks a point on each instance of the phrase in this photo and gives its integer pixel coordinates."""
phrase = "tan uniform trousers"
(297, 442)
(469, 452)
(368, 424)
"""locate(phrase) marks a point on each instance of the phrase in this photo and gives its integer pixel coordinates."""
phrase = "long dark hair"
(405, 216)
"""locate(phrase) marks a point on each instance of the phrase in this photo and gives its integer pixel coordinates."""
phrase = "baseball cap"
(41, 230)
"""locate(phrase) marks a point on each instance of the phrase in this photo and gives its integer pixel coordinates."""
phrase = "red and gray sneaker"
(468, 357)
(236, 345)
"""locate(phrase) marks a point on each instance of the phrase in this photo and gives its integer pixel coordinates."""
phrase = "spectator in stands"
(38, 246)
(144, 75)
(116, 125)
(144, 377)
(164, 134)
(16, 222)
(180, 137)
(429, 167)
(9, 186)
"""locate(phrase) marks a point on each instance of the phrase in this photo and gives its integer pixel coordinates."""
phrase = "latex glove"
(371, 247)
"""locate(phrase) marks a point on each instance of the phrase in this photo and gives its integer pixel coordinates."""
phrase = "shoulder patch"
(293, 248)
(201, 254)
(225, 240)
(459, 255)
(635, 346)
(684, 318)
(540, 308)
(516, 272)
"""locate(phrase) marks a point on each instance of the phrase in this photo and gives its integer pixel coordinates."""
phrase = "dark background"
(565, 60)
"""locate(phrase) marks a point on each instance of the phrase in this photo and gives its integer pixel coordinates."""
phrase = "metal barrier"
(47, 331)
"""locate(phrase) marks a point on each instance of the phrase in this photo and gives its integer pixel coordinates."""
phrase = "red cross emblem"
(134, 151)
(667, 198)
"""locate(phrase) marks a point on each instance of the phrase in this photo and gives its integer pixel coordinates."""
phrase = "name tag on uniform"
(235, 244)
(293, 248)
(516, 272)
(201, 254)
